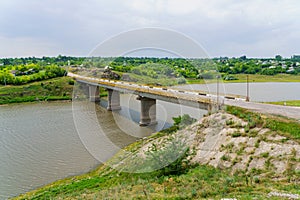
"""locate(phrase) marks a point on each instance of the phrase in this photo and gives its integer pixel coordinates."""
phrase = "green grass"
(142, 79)
(47, 90)
(198, 182)
(252, 78)
(287, 103)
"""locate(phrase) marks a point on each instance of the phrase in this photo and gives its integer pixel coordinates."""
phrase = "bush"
(181, 80)
(71, 82)
(183, 121)
(229, 78)
(173, 154)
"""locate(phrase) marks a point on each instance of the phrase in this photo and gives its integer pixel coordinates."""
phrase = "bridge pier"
(148, 111)
(113, 100)
(94, 93)
(84, 88)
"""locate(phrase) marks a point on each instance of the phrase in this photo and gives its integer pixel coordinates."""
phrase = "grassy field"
(265, 78)
(287, 103)
(253, 78)
(47, 90)
(191, 182)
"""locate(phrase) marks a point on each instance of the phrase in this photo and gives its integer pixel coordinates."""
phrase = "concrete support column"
(94, 93)
(84, 88)
(113, 100)
(148, 111)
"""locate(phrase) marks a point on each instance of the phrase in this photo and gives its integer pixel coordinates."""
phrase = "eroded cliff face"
(225, 141)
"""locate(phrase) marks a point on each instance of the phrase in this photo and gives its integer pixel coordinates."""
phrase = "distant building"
(283, 66)
(296, 57)
(291, 69)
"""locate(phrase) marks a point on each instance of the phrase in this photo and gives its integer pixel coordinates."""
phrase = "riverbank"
(286, 103)
(56, 89)
(233, 154)
(48, 90)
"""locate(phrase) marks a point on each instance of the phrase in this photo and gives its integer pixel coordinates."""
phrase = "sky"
(255, 28)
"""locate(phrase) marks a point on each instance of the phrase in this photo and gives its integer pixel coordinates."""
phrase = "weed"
(294, 152)
(268, 163)
(229, 122)
(257, 143)
(253, 133)
(236, 134)
(235, 161)
(256, 179)
(247, 129)
(229, 147)
(264, 154)
(225, 158)
(241, 149)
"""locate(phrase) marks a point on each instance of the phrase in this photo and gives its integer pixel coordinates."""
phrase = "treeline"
(22, 74)
(43, 61)
(258, 66)
(204, 68)
(155, 68)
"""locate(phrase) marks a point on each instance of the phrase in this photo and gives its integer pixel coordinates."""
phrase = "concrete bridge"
(149, 94)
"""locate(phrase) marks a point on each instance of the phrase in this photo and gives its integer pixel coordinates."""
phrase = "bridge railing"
(156, 89)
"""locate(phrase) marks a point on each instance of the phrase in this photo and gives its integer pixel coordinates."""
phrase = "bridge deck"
(199, 99)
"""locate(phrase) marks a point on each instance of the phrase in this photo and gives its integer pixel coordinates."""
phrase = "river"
(261, 92)
(40, 143)
(44, 142)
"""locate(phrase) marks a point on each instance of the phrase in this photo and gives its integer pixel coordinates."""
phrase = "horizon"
(218, 57)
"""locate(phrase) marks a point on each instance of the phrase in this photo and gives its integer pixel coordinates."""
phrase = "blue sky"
(256, 28)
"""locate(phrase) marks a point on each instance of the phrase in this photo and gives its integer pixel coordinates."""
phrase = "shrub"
(236, 134)
(183, 121)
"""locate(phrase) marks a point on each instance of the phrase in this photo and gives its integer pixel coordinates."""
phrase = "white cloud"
(77, 26)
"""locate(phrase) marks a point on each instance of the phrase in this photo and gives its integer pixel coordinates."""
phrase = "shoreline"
(56, 89)
(37, 101)
(34, 102)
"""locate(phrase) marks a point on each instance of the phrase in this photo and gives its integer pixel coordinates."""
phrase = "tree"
(243, 57)
(278, 57)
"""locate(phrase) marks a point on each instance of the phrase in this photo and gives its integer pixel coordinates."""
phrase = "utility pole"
(218, 91)
(247, 97)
